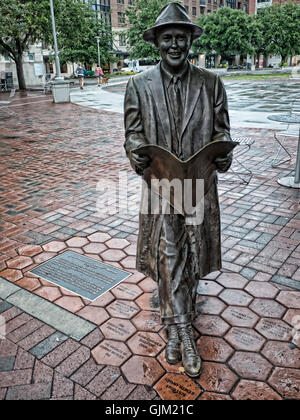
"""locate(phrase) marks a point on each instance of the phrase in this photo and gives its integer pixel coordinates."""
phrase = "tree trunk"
(20, 72)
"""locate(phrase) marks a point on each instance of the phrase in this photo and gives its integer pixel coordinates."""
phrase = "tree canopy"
(142, 16)
(226, 32)
(280, 29)
(25, 22)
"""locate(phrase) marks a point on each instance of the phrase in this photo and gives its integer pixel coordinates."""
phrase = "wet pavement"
(250, 102)
(55, 158)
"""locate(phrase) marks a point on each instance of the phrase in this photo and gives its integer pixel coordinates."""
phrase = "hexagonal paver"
(146, 302)
(103, 300)
(94, 314)
(113, 255)
(117, 243)
(131, 249)
(214, 349)
(289, 299)
(99, 237)
(30, 250)
(11, 275)
(254, 390)
(117, 329)
(236, 297)
(49, 293)
(19, 262)
(148, 285)
(211, 325)
(142, 370)
(123, 309)
(112, 353)
(281, 354)
(136, 277)
(245, 339)
(267, 308)
(126, 291)
(177, 387)
(209, 288)
(240, 317)
(209, 305)
(232, 280)
(77, 242)
(71, 303)
(216, 377)
(261, 289)
(146, 343)
(54, 246)
(274, 329)
(286, 382)
(44, 256)
(129, 262)
(250, 365)
(94, 248)
(29, 283)
(292, 317)
(212, 396)
(147, 321)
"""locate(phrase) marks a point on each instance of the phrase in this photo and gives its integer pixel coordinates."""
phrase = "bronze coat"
(205, 119)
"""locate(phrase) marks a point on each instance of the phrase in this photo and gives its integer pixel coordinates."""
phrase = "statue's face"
(173, 43)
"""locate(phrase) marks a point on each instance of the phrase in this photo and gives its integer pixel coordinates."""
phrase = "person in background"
(99, 74)
(80, 72)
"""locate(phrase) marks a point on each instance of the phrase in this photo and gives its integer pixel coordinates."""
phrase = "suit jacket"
(147, 122)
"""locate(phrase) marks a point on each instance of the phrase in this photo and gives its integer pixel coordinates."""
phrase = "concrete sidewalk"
(53, 157)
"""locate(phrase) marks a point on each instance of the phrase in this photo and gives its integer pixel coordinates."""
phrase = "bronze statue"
(181, 108)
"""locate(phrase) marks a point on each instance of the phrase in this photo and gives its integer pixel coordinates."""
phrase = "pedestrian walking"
(99, 74)
(80, 72)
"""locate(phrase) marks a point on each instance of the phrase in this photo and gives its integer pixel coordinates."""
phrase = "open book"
(190, 179)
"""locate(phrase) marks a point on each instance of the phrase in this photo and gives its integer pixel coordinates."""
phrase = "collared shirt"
(167, 77)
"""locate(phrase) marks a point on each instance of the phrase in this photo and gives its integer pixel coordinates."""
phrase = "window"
(121, 18)
(120, 1)
(6, 58)
(31, 57)
(194, 11)
(202, 2)
(122, 40)
(130, 2)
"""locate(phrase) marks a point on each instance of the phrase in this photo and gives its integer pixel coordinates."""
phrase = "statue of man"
(181, 108)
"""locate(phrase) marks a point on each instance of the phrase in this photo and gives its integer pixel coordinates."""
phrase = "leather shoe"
(190, 359)
(173, 353)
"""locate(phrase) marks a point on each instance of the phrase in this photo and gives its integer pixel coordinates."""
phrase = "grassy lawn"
(257, 76)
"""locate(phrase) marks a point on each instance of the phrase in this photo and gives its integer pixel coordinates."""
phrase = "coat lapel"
(157, 89)
(193, 91)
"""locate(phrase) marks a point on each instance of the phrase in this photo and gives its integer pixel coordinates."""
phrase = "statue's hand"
(223, 164)
(140, 162)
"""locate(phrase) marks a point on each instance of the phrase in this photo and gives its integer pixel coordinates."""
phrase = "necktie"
(176, 103)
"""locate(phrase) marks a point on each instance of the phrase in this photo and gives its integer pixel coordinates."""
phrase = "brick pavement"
(52, 158)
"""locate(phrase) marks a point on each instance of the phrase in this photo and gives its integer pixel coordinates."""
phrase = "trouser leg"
(177, 289)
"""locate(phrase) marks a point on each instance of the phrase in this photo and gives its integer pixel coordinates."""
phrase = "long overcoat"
(205, 118)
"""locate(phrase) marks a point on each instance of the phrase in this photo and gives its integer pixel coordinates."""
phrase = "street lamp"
(98, 40)
(57, 63)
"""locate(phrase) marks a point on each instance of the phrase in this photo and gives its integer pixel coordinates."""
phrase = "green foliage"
(77, 28)
(226, 32)
(142, 16)
(22, 23)
(280, 29)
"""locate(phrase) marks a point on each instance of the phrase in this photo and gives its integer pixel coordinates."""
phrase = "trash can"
(61, 91)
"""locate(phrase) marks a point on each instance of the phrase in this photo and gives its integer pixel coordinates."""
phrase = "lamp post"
(57, 63)
(98, 40)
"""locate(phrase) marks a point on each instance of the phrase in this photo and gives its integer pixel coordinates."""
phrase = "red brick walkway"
(52, 157)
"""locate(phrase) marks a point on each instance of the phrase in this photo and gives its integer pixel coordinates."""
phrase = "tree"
(25, 22)
(280, 29)
(22, 23)
(77, 27)
(226, 32)
(142, 16)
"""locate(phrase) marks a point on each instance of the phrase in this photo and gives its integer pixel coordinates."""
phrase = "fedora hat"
(172, 14)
